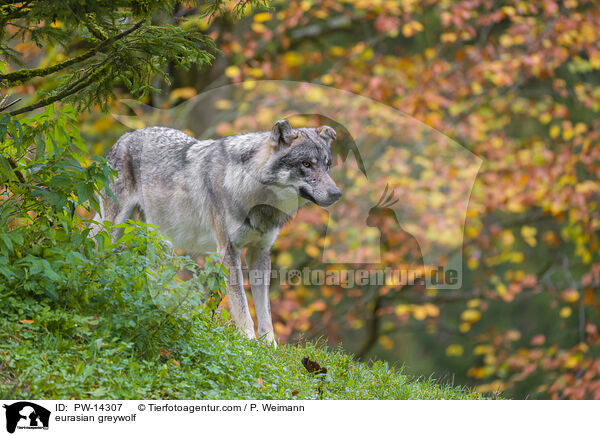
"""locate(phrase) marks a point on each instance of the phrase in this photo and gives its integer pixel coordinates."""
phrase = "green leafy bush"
(127, 289)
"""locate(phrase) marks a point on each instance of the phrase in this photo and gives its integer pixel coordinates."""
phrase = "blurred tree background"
(517, 83)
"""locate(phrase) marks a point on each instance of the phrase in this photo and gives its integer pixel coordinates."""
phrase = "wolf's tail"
(123, 187)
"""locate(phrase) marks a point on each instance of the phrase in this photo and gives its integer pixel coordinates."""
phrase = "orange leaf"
(164, 352)
(176, 363)
(26, 321)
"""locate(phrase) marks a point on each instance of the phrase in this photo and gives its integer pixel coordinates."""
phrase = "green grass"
(212, 360)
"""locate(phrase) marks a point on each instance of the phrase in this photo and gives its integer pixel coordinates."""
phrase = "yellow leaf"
(464, 327)
(232, 71)
(379, 70)
(501, 289)
(454, 350)
(513, 335)
(570, 296)
(517, 257)
(448, 37)
(402, 309)
(292, 59)
(357, 324)
(185, 93)
(262, 17)
(580, 128)
(541, 388)
(507, 237)
(545, 118)
(386, 342)
(432, 310)
(367, 54)
(471, 315)
(312, 251)
(420, 313)
(554, 131)
(285, 259)
(223, 104)
(565, 312)
(509, 10)
(506, 40)
(318, 305)
(337, 51)
(258, 27)
(475, 302)
(476, 372)
(326, 79)
(483, 349)
(495, 386)
(568, 134)
(476, 88)
(255, 72)
(587, 187)
(528, 233)
(572, 361)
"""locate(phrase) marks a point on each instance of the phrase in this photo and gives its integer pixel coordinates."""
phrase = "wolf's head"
(301, 159)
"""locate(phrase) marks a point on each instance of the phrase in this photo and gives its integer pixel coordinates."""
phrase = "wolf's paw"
(269, 337)
(249, 333)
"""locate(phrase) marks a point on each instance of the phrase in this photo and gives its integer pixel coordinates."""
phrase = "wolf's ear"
(282, 134)
(327, 133)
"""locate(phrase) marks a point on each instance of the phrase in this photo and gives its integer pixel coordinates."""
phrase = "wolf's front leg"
(258, 260)
(238, 302)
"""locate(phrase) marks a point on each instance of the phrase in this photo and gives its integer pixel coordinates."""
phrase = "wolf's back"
(151, 153)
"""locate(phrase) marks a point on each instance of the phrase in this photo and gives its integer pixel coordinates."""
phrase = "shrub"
(51, 270)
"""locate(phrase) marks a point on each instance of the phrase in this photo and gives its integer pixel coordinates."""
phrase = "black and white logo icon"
(26, 415)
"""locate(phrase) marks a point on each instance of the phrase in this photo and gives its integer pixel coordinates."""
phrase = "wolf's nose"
(335, 194)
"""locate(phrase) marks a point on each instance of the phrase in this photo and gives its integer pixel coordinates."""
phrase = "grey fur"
(228, 194)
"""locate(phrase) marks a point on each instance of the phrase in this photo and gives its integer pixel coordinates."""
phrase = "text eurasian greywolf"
(230, 193)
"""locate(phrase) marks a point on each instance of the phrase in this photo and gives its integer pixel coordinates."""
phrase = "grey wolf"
(230, 193)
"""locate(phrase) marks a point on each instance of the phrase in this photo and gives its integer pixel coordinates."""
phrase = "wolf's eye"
(306, 164)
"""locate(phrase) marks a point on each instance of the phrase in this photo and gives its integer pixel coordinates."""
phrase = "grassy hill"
(49, 353)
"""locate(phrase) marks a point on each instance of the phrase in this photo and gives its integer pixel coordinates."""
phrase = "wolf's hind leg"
(108, 211)
(126, 210)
